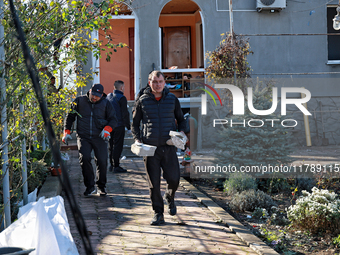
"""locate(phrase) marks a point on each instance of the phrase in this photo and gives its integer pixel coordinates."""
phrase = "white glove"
(66, 136)
(105, 135)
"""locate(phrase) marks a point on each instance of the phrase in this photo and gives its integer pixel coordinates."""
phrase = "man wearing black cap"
(96, 118)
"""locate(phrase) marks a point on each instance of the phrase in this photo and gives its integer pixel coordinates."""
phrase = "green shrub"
(248, 200)
(273, 185)
(239, 182)
(46, 156)
(260, 213)
(306, 183)
(336, 241)
(278, 219)
(36, 175)
(316, 212)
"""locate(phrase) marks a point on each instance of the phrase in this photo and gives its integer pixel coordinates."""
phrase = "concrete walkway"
(119, 223)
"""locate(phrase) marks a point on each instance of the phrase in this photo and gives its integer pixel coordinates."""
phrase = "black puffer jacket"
(91, 117)
(158, 118)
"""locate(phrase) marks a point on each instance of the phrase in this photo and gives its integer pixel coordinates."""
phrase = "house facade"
(294, 44)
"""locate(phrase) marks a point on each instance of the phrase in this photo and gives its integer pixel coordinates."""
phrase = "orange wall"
(180, 21)
(118, 67)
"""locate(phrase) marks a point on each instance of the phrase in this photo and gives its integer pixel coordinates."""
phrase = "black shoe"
(157, 219)
(172, 210)
(119, 169)
(111, 168)
(89, 191)
(102, 192)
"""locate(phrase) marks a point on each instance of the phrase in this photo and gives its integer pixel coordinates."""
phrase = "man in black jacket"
(119, 103)
(158, 109)
(95, 120)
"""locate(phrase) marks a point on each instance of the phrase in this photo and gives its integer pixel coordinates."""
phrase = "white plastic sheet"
(41, 225)
(32, 197)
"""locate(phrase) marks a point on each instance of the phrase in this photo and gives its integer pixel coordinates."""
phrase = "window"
(333, 36)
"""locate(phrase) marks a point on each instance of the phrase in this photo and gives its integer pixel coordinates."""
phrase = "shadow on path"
(119, 222)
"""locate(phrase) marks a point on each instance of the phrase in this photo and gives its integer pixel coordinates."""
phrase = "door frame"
(160, 36)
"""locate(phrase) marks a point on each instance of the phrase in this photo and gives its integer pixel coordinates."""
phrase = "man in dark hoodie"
(158, 109)
(119, 103)
(96, 119)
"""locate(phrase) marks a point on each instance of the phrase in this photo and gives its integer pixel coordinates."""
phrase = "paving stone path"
(119, 222)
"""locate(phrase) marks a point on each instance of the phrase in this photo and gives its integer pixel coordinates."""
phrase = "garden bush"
(260, 213)
(273, 185)
(249, 200)
(306, 183)
(46, 156)
(238, 182)
(36, 175)
(317, 212)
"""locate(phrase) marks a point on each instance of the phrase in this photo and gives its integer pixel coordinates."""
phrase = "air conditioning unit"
(271, 5)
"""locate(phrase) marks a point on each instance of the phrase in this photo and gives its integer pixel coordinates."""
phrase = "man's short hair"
(156, 73)
(118, 84)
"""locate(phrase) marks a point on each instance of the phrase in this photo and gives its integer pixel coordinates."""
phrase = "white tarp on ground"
(32, 197)
(41, 225)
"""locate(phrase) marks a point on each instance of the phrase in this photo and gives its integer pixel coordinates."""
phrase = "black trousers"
(85, 147)
(166, 158)
(116, 145)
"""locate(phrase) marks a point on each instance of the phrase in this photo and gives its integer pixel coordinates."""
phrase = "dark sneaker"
(111, 168)
(119, 169)
(89, 191)
(172, 210)
(102, 192)
(157, 219)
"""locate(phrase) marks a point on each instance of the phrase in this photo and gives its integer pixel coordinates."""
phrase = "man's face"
(157, 84)
(94, 98)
